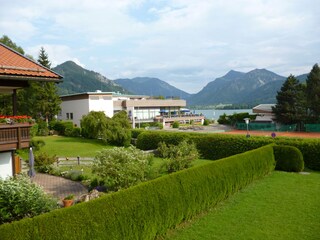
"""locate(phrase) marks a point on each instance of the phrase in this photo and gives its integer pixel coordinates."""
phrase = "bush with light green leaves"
(178, 157)
(122, 167)
(20, 198)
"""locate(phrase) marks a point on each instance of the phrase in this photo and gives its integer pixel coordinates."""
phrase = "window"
(67, 115)
(71, 116)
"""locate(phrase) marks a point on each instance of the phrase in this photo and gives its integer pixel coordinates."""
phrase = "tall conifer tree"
(313, 94)
(291, 105)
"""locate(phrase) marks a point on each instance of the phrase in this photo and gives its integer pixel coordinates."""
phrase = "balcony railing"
(14, 136)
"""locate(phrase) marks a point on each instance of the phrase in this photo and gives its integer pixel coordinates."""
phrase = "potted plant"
(68, 200)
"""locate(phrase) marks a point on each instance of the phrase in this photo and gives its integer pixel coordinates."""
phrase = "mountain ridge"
(77, 79)
(235, 87)
(151, 86)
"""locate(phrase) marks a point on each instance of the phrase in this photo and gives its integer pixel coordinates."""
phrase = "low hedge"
(216, 146)
(288, 159)
(148, 209)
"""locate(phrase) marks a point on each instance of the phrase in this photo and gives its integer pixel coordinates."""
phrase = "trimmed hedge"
(288, 158)
(148, 209)
(136, 132)
(216, 146)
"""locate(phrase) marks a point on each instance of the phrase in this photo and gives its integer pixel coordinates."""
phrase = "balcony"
(15, 136)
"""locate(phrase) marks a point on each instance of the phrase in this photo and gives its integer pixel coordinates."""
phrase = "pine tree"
(40, 100)
(48, 101)
(313, 94)
(291, 104)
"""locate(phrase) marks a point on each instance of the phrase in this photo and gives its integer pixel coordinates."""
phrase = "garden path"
(59, 187)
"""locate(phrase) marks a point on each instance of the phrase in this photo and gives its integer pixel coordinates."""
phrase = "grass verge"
(281, 206)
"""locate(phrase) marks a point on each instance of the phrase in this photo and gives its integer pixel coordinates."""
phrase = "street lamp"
(247, 120)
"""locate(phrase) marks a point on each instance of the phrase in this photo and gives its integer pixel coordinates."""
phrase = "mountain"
(77, 79)
(256, 86)
(151, 87)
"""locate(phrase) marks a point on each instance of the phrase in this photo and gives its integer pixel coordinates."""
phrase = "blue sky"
(186, 43)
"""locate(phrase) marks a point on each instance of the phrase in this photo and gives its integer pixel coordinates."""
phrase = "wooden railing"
(14, 136)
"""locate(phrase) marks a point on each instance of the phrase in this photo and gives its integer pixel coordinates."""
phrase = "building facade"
(140, 109)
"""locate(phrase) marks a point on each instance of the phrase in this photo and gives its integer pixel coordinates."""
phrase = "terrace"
(15, 136)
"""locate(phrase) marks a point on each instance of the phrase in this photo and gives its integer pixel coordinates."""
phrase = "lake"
(214, 114)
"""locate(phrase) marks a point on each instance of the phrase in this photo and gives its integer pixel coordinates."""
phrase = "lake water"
(214, 114)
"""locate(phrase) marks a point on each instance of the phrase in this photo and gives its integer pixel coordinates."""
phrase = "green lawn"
(71, 147)
(280, 206)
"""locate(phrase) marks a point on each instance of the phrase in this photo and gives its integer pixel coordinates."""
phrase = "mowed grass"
(71, 147)
(280, 206)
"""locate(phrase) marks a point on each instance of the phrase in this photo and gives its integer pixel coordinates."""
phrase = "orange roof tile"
(15, 64)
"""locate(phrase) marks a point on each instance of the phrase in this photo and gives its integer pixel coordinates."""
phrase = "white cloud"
(184, 42)
(57, 54)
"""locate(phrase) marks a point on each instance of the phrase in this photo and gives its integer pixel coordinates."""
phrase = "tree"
(41, 99)
(118, 130)
(93, 125)
(43, 58)
(8, 42)
(313, 93)
(291, 103)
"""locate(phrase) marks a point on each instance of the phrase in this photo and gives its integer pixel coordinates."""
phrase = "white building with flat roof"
(140, 108)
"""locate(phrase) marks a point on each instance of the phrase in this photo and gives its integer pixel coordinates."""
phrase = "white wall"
(5, 164)
(101, 103)
(77, 107)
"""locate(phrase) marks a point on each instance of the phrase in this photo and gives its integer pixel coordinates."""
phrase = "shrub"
(62, 127)
(43, 129)
(175, 124)
(75, 175)
(122, 168)
(178, 157)
(206, 122)
(93, 125)
(288, 158)
(148, 209)
(136, 132)
(43, 162)
(37, 144)
(21, 198)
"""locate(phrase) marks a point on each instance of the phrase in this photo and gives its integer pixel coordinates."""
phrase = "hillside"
(77, 79)
(256, 86)
(151, 87)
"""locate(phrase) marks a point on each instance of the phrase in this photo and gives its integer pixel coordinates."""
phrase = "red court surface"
(278, 134)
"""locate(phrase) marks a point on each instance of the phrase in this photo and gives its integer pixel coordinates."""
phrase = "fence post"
(78, 160)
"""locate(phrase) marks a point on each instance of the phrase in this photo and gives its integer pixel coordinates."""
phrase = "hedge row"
(148, 209)
(288, 158)
(216, 146)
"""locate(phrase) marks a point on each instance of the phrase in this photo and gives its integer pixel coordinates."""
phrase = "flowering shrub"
(122, 167)
(16, 119)
(21, 198)
(177, 157)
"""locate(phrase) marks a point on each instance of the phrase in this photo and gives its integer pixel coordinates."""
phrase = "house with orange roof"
(16, 72)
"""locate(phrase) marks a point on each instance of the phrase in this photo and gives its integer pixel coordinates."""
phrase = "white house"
(140, 108)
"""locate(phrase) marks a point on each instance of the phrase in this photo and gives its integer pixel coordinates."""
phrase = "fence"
(68, 161)
(266, 127)
(312, 127)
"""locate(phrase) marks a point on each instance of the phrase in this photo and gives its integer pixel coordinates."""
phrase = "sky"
(187, 43)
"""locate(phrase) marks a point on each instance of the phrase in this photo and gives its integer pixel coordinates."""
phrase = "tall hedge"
(288, 158)
(216, 146)
(148, 209)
